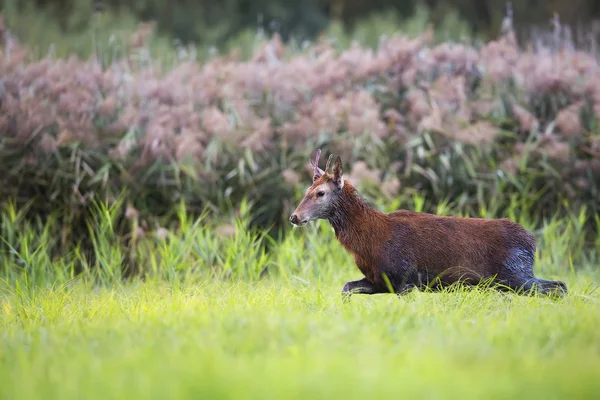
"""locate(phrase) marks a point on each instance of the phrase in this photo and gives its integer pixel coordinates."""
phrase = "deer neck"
(355, 223)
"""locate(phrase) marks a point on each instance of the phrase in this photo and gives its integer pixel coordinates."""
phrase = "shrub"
(451, 122)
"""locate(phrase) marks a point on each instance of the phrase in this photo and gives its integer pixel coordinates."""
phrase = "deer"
(404, 250)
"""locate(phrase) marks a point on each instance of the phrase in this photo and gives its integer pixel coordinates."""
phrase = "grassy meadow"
(185, 330)
(285, 340)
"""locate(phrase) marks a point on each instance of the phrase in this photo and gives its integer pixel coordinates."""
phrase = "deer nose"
(294, 219)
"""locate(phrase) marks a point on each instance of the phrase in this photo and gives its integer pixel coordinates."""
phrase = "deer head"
(321, 197)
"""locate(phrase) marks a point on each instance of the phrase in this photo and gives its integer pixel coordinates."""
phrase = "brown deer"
(403, 250)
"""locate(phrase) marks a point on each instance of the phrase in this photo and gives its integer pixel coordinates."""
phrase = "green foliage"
(76, 26)
(84, 31)
(227, 248)
(369, 31)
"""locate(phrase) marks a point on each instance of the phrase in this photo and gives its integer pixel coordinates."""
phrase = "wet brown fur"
(407, 249)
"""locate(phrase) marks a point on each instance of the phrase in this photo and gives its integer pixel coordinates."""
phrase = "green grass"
(239, 332)
(280, 340)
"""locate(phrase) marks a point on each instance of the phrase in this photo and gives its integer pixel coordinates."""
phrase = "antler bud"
(317, 172)
(328, 162)
(316, 163)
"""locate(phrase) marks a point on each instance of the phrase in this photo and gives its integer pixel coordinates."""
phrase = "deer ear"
(338, 172)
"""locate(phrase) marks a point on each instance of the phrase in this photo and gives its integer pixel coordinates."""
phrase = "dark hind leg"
(538, 286)
(517, 274)
(549, 288)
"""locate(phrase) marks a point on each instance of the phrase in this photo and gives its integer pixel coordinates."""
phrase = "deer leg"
(361, 286)
(402, 284)
(405, 289)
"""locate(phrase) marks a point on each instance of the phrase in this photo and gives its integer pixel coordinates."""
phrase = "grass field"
(291, 336)
(276, 340)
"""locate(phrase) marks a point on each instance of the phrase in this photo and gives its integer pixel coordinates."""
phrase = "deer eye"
(320, 194)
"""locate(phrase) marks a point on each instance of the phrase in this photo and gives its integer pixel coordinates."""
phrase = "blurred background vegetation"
(542, 157)
(68, 25)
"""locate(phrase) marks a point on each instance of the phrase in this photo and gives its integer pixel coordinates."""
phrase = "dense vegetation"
(214, 23)
(456, 123)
